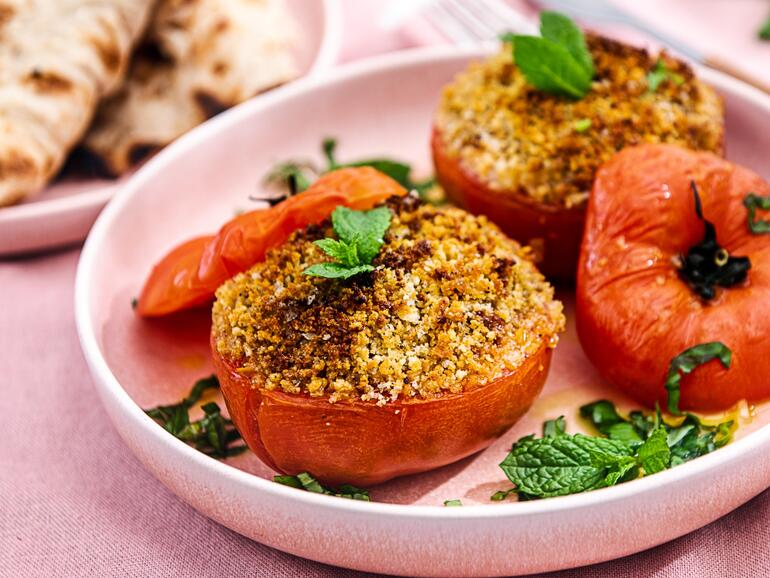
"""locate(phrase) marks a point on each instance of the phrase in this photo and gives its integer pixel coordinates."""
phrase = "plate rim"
(108, 385)
(326, 57)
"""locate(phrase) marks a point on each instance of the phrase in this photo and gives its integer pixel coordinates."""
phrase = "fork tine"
(464, 12)
(505, 17)
(448, 25)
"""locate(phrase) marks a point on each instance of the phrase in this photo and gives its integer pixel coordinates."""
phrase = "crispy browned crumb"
(451, 305)
(517, 138)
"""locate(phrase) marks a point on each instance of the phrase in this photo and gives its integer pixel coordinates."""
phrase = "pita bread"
(57, 59)
(200, 57)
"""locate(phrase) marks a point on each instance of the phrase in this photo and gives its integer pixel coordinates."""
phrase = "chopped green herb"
(764, 32)
(297, 176)
(686, 362)
(559, 463)
(500, 495)
(305, 481)
(661, 73)
(361, 234)
(213, 434)
(582, 125)
(752, 202)
(453, 503)
(558, 62)
(554, 427)
(134, 303)
(654, 455)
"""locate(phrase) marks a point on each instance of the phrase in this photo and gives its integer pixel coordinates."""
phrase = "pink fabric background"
(75, 502)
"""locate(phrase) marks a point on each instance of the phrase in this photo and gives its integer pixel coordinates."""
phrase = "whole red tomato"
(655, 279)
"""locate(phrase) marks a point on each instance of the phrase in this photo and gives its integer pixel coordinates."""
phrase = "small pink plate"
(64, 212)
(380, 107)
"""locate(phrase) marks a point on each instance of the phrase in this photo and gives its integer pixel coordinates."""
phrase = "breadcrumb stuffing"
(517, 138)
(451, 305)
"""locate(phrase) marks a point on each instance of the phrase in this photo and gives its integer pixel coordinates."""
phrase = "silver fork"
(476, 21)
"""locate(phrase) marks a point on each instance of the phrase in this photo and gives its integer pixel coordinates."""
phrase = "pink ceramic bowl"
(382, 106)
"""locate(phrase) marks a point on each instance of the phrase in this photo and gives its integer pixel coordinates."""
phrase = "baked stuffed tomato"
(424, 356)
(671, 260)
(527, 159)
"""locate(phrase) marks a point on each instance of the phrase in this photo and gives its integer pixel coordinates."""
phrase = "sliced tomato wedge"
(190, 274)
(636, 307)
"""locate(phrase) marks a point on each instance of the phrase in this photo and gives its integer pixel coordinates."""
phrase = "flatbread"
(58, 58)
(199, 57)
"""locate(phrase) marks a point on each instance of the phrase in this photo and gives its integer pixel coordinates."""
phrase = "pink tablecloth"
(74, 501)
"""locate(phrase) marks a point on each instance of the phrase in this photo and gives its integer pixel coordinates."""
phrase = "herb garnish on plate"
(361, 234)
(559, 463)
(305, 481)
(558, 62)
(297, 176)
(213, 434)
(764, 32)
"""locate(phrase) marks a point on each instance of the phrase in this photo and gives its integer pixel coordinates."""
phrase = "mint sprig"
(558, 62)
(305, 481)
(361, 235)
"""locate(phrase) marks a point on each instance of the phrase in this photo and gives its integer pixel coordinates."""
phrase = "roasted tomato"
(553, 231)
(361, 443)
(668, 261)
(189, 274)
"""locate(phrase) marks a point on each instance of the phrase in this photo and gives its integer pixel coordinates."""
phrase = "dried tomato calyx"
(707, 264)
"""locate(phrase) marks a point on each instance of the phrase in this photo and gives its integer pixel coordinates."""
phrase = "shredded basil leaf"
(752, 202)
(661, 73)
(213, 434)
(305, 481)
(686, 362)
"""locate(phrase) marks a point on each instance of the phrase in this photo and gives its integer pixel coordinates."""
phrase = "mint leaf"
(654, 454)
(554, 427)
(345, 253)
(364, 229)
(558, 62)
(566, 464)
(686, 362)
(335, 270)
(752, 202)
(764, 32)
(560, 29)
(550, 67)
(602, 415)
(305, 481)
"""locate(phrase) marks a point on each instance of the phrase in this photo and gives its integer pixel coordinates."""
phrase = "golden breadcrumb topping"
(517, 138)
(451, 305)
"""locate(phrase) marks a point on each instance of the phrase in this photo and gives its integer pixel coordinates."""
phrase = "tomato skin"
(364, 444)
(634, 314)
(190, 273)
(552, 229)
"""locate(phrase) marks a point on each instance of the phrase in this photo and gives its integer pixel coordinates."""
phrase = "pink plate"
(383, 106)
(64, 212)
